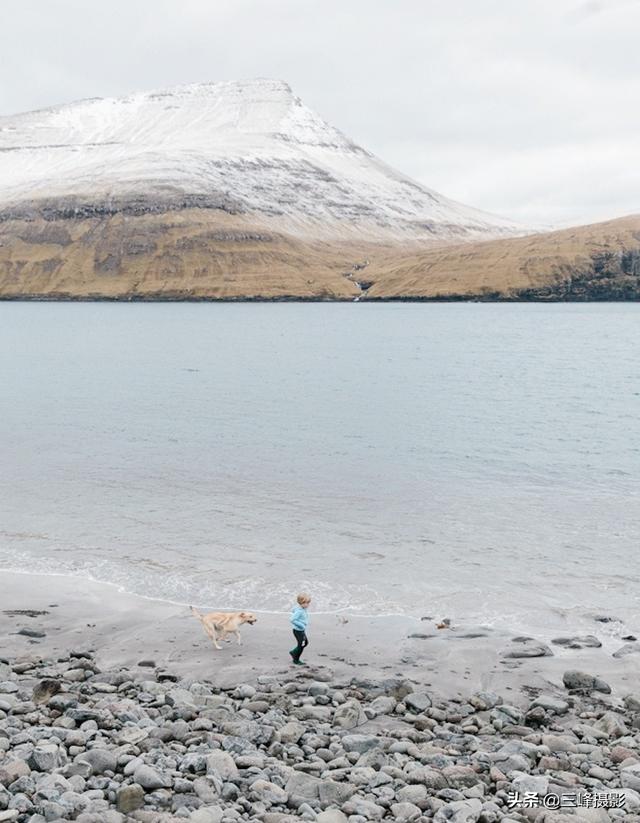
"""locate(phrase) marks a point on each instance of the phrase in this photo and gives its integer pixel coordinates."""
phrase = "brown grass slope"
(595, 262)
(190, 254)
(210, 254)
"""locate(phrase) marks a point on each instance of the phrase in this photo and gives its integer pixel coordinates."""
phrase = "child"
(300, 621)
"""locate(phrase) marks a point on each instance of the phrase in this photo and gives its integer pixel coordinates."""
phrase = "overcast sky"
(530, 108)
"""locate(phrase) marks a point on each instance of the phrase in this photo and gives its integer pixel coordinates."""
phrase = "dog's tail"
(196, 613)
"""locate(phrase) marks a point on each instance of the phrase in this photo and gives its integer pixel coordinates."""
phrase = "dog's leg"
(212, 635)
(239, 639)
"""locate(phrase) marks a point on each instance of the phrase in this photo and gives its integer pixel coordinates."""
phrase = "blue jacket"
(300, 619)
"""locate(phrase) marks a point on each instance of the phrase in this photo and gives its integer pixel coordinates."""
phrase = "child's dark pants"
(302, 641)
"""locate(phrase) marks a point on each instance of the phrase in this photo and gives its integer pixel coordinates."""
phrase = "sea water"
(473, 461)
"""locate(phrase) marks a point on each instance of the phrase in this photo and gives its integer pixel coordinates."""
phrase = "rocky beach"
(114, 708)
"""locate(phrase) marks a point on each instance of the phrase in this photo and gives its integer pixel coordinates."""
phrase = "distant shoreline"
(25, 298)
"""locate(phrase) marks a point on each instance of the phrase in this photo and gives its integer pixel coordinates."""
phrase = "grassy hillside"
(204, 253)
(596, 262)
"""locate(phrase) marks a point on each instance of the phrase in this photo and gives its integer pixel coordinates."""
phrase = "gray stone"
(29, 632)
(559, 743)
(150, 779)
(268, 793)
(46, 758)
(349, 715)
(505, 715)
(612, 724)
(582, 681)
(460, 811)
(626, 650)
(382, 705)
(129, 798)
(304, 786)
(332, 816)
(632, 799)
(100, 760)
(587, 641)
(62, 702)
(207, 814)
(223, 764)
(405, 812)
(418, 701)
(551, 704)
(244, 691)
(360, 742)
(365, 808)
(45, 689)
(482, 701)
(416, 795)
(585, 730)
(429, 777)
(11, 770)
(131, 735)
(630, 777)
(538, 784)
(523, 647)
(180, 698)
(460, 777)
(291, 732)
(332, 793)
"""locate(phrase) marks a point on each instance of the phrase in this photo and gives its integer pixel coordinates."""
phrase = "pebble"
(118, 746)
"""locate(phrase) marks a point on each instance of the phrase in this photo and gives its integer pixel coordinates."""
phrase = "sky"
(528, 109)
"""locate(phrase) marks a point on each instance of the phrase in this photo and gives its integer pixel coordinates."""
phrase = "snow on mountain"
(248, 147)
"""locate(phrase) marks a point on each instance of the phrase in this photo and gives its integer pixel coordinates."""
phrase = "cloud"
(528, 109)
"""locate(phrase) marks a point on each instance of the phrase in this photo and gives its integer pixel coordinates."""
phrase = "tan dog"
(225, 623)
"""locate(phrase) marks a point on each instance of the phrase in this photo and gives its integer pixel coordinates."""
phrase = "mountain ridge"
(237, 190)
(252, 144)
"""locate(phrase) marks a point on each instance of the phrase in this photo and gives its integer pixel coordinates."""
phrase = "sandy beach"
(123, 629)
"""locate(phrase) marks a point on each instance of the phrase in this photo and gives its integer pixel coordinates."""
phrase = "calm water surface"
(467, 460)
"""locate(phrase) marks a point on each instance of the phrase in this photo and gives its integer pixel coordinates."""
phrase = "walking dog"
(219, 624)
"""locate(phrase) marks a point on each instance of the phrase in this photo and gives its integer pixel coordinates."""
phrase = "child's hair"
(303, 599)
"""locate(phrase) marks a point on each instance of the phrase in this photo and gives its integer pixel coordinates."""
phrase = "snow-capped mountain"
(244, 148)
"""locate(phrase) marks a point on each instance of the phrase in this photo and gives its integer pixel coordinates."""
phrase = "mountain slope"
(209, 190)
(595, 262)
(248, 148)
